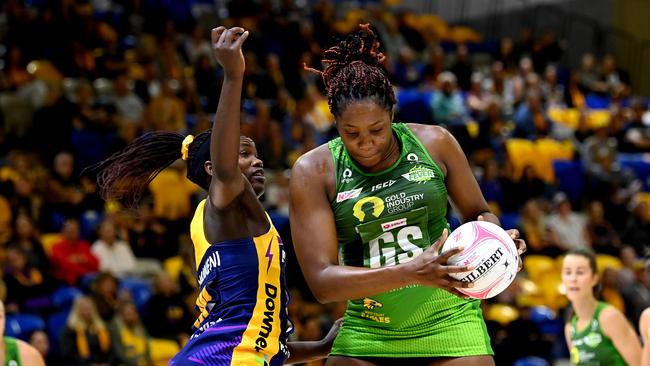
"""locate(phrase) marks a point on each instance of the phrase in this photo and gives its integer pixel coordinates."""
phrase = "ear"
(208, 167)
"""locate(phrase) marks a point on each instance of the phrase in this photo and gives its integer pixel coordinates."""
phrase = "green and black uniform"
(590, 346)
(387, 218)
(12, 353)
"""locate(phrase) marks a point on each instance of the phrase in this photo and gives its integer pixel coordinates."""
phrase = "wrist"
(233, 76)
(405, 274)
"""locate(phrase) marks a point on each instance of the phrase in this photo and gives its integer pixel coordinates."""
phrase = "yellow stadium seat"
(48, 241)
(598, 118)
(607, 261)
(551, 287)
(521, 153)
(162, 350)
(538, 266)
(173, 266)
(548, 150)
(6, 218)
(502, 313)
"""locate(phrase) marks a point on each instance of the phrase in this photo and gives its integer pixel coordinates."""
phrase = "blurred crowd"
(560, 152)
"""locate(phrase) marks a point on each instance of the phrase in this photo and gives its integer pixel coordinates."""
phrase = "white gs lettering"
(405, 251)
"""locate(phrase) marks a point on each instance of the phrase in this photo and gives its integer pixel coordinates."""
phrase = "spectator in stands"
(41, 342)
(27, 239)
(637, 294)
(165, 111)
(104, 293)
(637, 228)
(128, 104)
(130, 339)
(531, 121)
(617, 80)
(588, 78)
(148, 237)
(85, 340)
(600, 232)
(71, 255)
(528, 187)
(609, 291)
(447, 104)
(491, 186)
(567, 229)
(63, 194)
(165, 314)
(27, 286)
(552, 90)
(115, 255)
(478, 100)
(535, 229)
(408, 71)
(637, 130)
(462, 67)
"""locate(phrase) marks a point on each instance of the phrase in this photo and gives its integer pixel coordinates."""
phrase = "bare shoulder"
(29, 355)
(612, 320)
(314, 164)
(644, 321)
(430, 135)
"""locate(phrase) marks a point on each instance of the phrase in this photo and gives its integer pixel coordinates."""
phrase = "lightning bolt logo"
(269, 255)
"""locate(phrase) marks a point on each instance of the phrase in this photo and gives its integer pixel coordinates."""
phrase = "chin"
(259, 189)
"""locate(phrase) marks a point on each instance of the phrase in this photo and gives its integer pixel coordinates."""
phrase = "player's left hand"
(227, 47)
(331, 335)
(519, 243)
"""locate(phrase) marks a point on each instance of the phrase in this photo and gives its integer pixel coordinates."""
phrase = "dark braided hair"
(354, 72)
(125, 175)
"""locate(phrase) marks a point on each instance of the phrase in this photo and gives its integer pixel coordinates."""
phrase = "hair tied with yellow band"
(185, 147)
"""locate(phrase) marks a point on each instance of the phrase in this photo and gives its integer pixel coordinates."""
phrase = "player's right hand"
(227, 47)
(431, 269)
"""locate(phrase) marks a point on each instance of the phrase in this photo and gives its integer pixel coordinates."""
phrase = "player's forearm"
(224, 148)
(339, 283)
(300, 352)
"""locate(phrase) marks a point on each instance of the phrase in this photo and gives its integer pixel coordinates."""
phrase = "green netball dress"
(590, 346)
(387, 218)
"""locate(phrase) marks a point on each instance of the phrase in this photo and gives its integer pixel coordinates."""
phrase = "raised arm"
(227, 180)
(314, 236)
(617, 328)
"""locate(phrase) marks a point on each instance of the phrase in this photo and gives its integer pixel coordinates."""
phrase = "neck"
(585, 308)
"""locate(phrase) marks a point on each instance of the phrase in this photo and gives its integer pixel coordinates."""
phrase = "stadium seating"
(21, 326)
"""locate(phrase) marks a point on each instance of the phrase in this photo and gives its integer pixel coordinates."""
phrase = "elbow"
(324, 296)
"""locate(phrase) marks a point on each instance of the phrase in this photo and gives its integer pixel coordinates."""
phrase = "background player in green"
(598, 334)
(378, 196)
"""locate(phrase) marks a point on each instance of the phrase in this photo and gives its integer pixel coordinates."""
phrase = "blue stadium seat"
(547, 320)
(531, 361)
(21, 326)
(639, 165)
(139, 289)
(597, 102)
(55, 324)
(64, 297)
(509, 220)
(414, 106)
(86, 281)
(570, 179)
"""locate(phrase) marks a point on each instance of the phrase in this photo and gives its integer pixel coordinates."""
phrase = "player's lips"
(258, 175)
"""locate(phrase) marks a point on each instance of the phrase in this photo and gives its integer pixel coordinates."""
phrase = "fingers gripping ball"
(492, 254)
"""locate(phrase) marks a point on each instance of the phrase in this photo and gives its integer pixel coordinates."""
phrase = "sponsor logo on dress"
(393, 224)
(376, 204)
(347, 195)
(347, 176)
(382, 185)
(419, 174)
(412, 157)
(401, 202)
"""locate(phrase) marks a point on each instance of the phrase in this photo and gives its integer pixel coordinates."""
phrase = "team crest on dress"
(369, 303)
